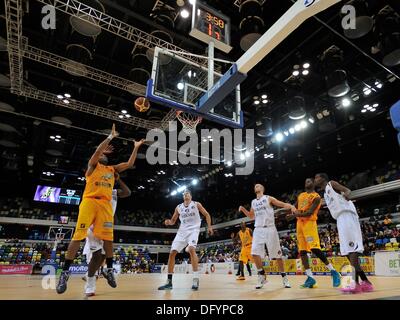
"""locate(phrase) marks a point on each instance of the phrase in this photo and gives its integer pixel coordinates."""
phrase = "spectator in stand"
(387, 221)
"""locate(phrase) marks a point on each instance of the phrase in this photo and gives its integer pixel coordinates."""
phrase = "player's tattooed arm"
(250, 214)
(205, 213)
(310, 211)
(341, 189)
(281, 204)
(172, 221)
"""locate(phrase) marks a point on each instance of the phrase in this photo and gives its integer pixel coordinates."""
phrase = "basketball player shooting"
(95, 208)
(93, 249)
(245, 236)
(350, 237)
(308, 205)
(265, 232)
(187, 235)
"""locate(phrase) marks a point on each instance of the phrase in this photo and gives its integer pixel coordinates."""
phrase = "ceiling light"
(346, 102)
(306, 65)
(257, 102)
(311, 120)
(66, 101)
(52, 137)
(376, 105)
(58, 136)
(305, 72)
(185, 14)
(296, 73)
(229, 163)
(291, 130)
(373, 110)
(303, 124)
(194, 182)
(364, 110)
(264, 96)
(67, 95)
(57, 140)
(265, 101)
(378, 84)
(128, 115)
(242, 157)
(120, 116)
(367, 91)
(279, 137)
(173, 193)
(180, 189)
(180, 86)
(124, 111)
(59, 96)
(286, 133)
(297, 127)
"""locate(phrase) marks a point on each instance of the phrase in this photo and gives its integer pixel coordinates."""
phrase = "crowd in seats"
(16, 252)
(220, 252)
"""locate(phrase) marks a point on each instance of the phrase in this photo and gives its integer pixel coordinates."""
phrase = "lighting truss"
(18, 48)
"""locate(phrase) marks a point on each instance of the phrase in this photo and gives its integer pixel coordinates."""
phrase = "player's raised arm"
(250, 214)
(103, 147)
(172, 221)
(129, 164)
(281, 204)
(205, 213)
(123, 191)
(341, 189)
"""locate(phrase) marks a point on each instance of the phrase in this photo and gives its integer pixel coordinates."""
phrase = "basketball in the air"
(142, 104)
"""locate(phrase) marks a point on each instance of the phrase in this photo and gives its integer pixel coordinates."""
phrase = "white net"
(189, 121)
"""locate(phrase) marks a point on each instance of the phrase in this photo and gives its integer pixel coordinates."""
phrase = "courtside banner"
(318, 267)
(16, 269)
(387, 263)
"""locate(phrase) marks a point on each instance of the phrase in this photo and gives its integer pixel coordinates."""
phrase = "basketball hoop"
(189, 121)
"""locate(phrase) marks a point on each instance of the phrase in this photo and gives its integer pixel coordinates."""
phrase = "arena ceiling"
(340, 140)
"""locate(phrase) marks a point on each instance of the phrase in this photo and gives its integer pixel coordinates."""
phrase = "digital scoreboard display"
(57, 195)
(209, 25)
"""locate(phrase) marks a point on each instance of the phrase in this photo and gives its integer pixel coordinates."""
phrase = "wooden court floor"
(212, 287)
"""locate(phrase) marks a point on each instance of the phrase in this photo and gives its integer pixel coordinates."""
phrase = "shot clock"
(209, 25)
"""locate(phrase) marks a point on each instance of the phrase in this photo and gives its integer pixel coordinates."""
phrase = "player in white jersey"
(350, 237)
(265, 232)
(93, 249)
(187, 235)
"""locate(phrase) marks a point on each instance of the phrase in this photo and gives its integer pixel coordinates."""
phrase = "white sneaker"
(286, 283)
(262, 279)
(90, 286)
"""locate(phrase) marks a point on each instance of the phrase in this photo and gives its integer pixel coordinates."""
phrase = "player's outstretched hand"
(114, 133)
(168, 222)
(241, 209)
(210, 230)
(109, 149)
(139, 143)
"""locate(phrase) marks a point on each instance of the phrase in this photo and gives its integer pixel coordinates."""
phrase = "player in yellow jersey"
(308, 205)
(245, 236)
(96, 209)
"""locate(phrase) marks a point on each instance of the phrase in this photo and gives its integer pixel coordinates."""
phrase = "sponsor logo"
(78, 269)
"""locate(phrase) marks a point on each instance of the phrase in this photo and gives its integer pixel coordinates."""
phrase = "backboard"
(180, 84)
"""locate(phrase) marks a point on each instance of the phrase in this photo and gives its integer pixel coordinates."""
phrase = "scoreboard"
(210, 25)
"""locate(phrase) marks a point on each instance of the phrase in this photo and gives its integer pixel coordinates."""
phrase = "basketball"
(142, 104)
